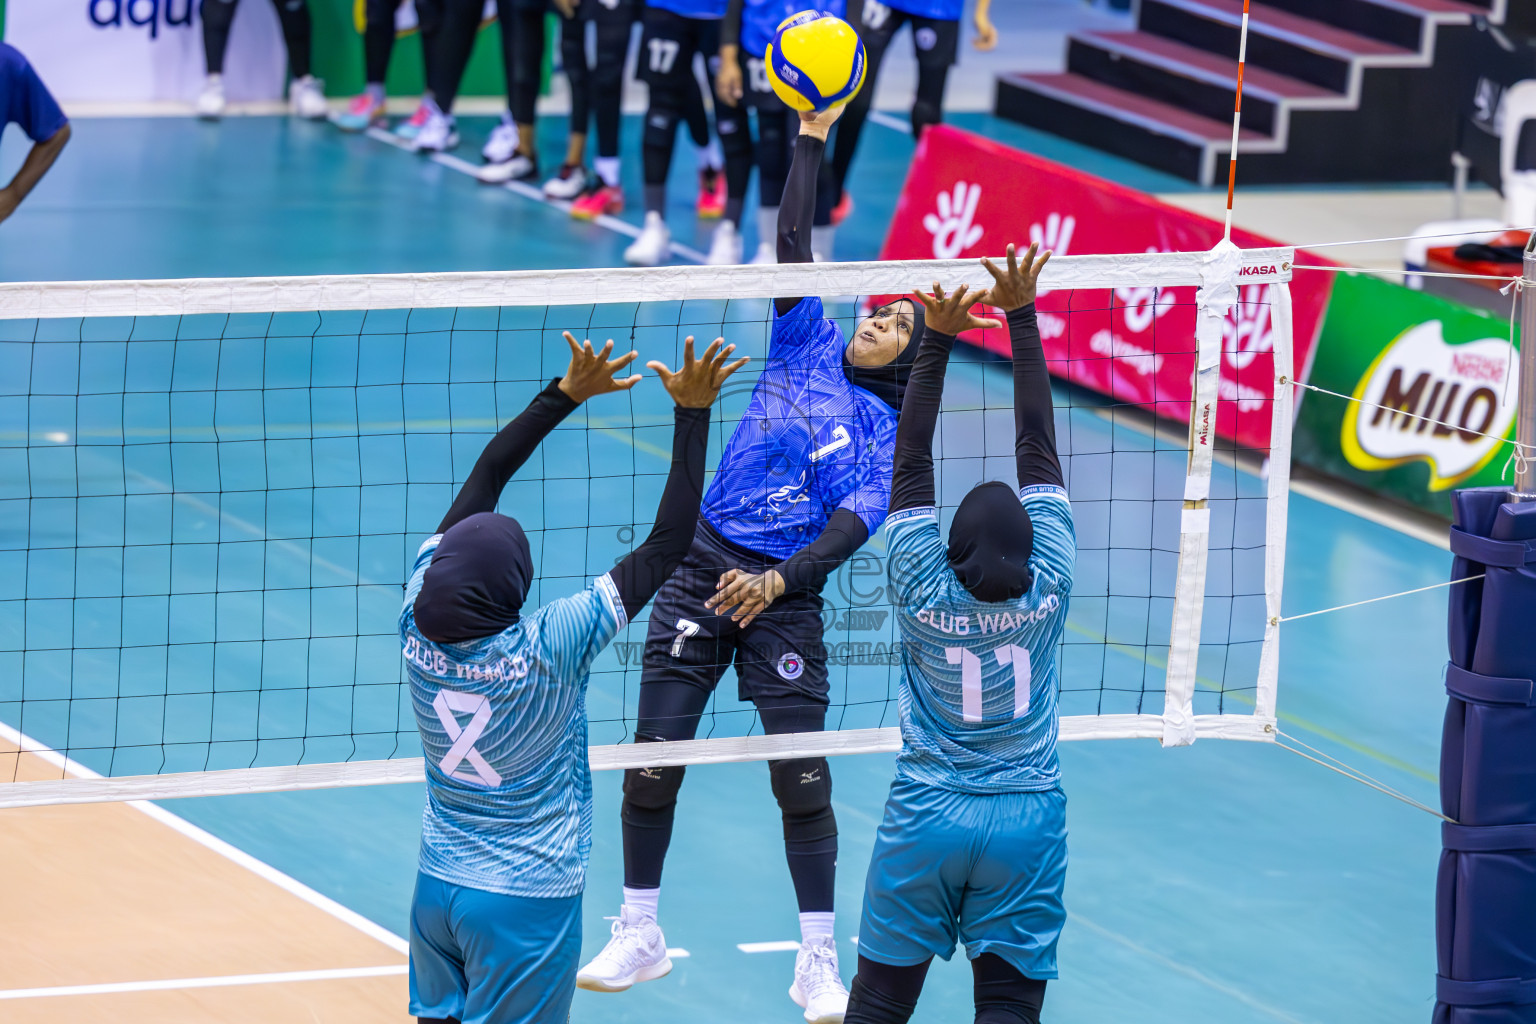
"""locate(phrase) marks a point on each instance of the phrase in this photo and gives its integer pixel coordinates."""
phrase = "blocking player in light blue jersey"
(973, 846)
(500, 702)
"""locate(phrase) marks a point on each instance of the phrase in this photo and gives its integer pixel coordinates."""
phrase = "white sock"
(814, 926)
(642, 901)
(709, 156)
(768, 224)
(607, 168)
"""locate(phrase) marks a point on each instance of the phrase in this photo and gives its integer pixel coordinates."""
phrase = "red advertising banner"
(968, 196)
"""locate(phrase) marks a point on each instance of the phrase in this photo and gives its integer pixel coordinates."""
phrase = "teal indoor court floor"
(1225, 882)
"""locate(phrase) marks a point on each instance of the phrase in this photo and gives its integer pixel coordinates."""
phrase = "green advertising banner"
(1435, 386)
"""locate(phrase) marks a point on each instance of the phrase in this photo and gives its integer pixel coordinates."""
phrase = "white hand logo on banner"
(478, 707)
(952, 228)
(1054, 236)
(1247, 332)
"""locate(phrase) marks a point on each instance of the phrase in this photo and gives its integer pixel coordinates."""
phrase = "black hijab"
(990, 541)
(889, 382)
(477, 581)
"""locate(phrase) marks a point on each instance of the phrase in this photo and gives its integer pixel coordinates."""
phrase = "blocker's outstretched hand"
(748, 593)
(592, 373)
(697, 384)
(951, 314)
(1015, 288)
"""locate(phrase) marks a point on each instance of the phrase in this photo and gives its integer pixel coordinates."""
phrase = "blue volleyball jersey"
(503, 725)
(978, 678)
(760, 20)
(939, 10)
(702, 9)
(808, 444)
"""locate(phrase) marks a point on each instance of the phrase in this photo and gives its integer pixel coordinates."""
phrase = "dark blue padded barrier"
(1485, 899)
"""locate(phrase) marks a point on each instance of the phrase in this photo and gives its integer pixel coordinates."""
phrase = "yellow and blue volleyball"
(815, 61)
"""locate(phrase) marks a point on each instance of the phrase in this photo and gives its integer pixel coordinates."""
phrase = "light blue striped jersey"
(978, 679)
(809, 443)
(503, 725)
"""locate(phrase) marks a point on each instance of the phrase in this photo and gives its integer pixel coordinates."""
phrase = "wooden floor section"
(107, 894)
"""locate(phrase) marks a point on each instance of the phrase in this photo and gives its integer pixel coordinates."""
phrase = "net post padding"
(1277, 507)
(1214, 300)
(584, 287)
(86, 787)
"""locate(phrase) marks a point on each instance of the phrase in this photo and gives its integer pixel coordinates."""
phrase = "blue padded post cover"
(1485, 898)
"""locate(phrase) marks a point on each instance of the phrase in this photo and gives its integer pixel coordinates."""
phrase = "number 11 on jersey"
(970, 678)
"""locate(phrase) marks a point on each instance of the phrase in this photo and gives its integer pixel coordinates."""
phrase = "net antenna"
(1174, 626)
(1237, 121)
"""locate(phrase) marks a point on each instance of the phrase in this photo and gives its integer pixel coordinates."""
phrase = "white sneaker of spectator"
(210, 101)
(654, 246)
(725, 248)
(306, 98)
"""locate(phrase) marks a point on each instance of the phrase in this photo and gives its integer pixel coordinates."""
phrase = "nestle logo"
(1474, 367)
(1268, 268)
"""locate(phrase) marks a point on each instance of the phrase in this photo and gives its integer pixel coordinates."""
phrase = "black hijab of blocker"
(990, 541)
(889, 382)
(477, 582)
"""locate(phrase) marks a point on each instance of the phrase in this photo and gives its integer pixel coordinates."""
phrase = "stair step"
(1293, 28)
(1207, 66)
(1133, 108)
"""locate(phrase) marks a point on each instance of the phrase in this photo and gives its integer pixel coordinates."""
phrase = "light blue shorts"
(950, 867)
(484, 958)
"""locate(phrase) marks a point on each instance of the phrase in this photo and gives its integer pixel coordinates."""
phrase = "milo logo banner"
(1435, 384)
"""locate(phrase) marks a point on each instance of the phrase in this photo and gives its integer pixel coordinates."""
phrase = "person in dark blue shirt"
(26, 101)
(936, 42)
(803, 482)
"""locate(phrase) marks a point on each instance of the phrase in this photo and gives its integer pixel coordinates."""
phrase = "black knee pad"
(803, 788)
(1003, 994)
(650, 791)
(925, 113)
(869, 1005)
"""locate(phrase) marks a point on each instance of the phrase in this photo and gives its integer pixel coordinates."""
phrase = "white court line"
(169, 984)
(258, 867)
(527, 191)
(896, 124)
(678, 953)
(785, 946)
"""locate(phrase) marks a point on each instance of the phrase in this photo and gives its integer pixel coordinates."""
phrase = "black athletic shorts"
(756, 92)
(780, 654)
(667, 46)
(937, 42)
(608, 10)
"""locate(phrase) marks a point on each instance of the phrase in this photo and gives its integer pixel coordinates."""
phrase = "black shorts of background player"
(509, 153)
(935, 40)
(742, 83)
(306, 96)
(669, 42)
(597, 93)
(366, 110)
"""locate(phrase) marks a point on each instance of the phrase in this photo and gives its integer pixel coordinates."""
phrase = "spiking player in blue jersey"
(973, 846)
(803, 482)
(500, 701)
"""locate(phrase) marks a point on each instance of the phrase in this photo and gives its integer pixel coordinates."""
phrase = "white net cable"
(215, 489)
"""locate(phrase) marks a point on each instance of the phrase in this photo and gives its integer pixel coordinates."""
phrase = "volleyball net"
(211, 492)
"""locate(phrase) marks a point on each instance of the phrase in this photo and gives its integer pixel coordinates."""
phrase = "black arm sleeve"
(1034, 413)
(730, 25)
(912, 473)
(808, 568)
(646, 568)
(507, 452)
(797, 209)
